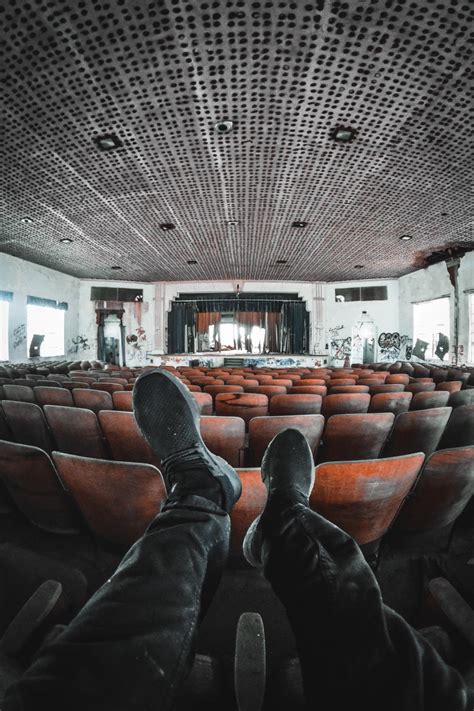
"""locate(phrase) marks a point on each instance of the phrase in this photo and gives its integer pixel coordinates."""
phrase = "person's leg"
(354, 651)
(131, 646)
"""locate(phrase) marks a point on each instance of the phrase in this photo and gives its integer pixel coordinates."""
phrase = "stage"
(236, 359)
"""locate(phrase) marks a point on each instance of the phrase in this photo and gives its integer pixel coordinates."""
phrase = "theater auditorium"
(265, 209)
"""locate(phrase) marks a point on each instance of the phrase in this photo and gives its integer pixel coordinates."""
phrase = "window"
(46, 321)
(4, 329)
(431, 329)
(362, 293)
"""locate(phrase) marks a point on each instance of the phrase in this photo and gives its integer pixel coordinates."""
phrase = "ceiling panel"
(159, 75)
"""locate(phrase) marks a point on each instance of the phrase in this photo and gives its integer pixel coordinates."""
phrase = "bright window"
(48, 322)
(4, 330)
(431, 329)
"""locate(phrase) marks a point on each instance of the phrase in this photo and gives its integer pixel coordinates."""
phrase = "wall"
(340, 317)
(312, 293)
(27, 279)
(432, 283)
(139, 322)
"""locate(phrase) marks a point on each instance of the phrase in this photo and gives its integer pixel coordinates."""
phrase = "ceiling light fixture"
(192, 261)
(359, 266)
(405, 238)
(223, 127)
(343, 134)
(232, 223)
(116, 267)
(27, 220)
(299, 223)
(107, 142)
(65, 240)
(166, 226)
(281, 261)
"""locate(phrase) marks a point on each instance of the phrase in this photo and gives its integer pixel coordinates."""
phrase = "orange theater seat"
(117, 500)
(251, 503)
(417, 431)
(204, 403)
(302, 404)
(345, 403)
(95, 400)
(53, 396)
(75, 431)
(390, 402)
(27, 423)
(263, 429)
(355, 436)
(123, 401)
(224, 436)
(125, 440)
(244, 405)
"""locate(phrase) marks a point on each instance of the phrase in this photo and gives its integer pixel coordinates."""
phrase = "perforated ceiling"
(158, 75)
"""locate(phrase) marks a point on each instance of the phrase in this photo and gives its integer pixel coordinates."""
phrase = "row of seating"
(115, 434)
(117, 500)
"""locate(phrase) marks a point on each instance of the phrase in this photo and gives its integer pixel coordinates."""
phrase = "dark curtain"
(294, 332)
(100, 316)
(181, 328)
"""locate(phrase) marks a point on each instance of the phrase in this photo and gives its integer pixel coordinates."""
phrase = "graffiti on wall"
(79, 343)
(19, 336)
(393, 346)
(136, 343)
(340, 348)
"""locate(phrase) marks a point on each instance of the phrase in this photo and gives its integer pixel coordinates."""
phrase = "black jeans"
(131, 646)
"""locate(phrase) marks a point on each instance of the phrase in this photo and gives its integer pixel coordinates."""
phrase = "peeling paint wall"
(27, 279)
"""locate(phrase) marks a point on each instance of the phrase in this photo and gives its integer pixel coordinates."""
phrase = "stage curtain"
(181, 328)
(204, 319)
(294, 332)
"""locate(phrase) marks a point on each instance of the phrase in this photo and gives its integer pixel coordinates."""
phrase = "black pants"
(131, 646)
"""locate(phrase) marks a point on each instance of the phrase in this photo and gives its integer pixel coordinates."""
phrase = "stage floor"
(237, 359)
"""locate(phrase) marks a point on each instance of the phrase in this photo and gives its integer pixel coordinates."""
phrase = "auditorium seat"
(117, 381)
(459, 431)
(204, 403)
(427, 400)
(214, 390)
(419, 387)
(107, 387)
(83, 379)
(235, 380)
(462, 397)
(263, 429)
(308, 390)
(244, 405)
(312, 381)
(23, 382)
(116, 499)
(30, 477)
(27, 423)
(262, 379)
(345, 403)
(386, 388)
(248, 383)
(451, 386)
(390, 402)
(340, 389)
(268, 390)
(355, 436)
(75, 384)
(399, 378)
(224, 436)
(284, 382)
(95, 400)
(342, 381)
(75, 431)
(250, 504)
(443, 489)
(53, 396)
(5, 431)
(123, 401)
(19, 393)
(363, 497)
(194, 388)
(302, 404)
(373, 380)
(124, 438)
(417, 431)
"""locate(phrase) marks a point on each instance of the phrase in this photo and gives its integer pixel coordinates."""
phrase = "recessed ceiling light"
(107, 142)
(299, 223)
(281, 261)
(343, 134)
(444, 214)
(192, 261)
(232, 223)
(116, 267)
(27, 220)
(66, 240)
(223, 127)
(405, 238)
(167, 226)
(359, 266)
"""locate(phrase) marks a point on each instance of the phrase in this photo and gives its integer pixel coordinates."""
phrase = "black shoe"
(287, 470)
(168, 417)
